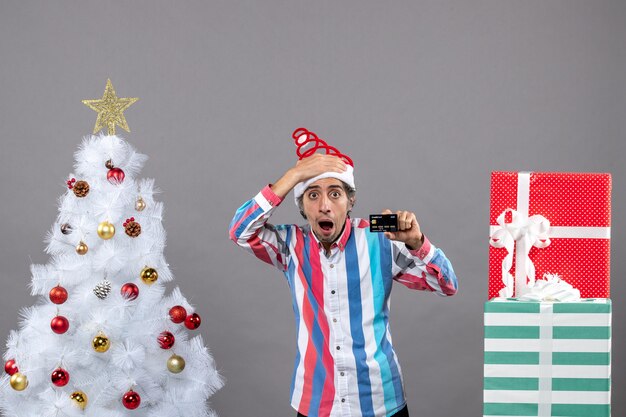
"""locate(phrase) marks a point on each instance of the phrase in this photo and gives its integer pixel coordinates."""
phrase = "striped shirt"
(345, 362)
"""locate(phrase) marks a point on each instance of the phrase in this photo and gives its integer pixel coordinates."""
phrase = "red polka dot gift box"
(549, 222)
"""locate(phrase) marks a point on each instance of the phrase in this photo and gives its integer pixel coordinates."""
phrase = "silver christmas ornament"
(103, 289)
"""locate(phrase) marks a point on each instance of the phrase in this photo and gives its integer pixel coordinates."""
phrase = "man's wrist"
(285, 183)
(415, 244)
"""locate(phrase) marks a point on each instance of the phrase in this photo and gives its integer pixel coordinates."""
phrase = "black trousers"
(404, 412)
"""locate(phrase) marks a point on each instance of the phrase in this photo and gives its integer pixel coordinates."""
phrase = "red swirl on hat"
(309, 143)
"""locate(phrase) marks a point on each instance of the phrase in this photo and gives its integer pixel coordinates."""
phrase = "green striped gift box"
(547, 359)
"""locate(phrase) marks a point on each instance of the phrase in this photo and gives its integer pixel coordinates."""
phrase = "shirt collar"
(343, 239)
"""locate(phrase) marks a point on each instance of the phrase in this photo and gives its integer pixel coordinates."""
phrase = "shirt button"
(332, 265)
(342, 373)
(334, 320)
(338, 347)
(343, 400)
(332, 292)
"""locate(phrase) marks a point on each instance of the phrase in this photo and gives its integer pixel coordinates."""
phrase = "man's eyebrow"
(317, 187)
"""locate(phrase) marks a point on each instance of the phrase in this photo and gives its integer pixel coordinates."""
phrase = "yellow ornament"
(79, 399)
(106, 230)
(149, 275)
(140, 204)
(19, 382)
(110, 110)
(81, 248)
(101, 343)
(175, 364)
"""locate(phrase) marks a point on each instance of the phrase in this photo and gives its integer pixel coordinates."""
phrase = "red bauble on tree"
(192, 322)
(129, 291)
(10, 367)
(166, 340)
(58, 295)
(60, 377)
(131, 400)
(115, 176)
(178, 314)
(59, 324)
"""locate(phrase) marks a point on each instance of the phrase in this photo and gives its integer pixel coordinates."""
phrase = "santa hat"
(309, 143)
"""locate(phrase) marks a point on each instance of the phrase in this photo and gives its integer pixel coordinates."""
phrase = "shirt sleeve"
(426, 268)
(249, 229)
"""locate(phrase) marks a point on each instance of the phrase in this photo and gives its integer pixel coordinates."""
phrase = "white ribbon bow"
(526, 232)
(551, 288)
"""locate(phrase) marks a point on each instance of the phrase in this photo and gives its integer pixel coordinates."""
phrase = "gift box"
(549, 223)
(547, 358)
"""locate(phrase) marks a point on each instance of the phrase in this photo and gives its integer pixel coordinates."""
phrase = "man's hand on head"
(317, 164)
(306, 169)
(408, 230)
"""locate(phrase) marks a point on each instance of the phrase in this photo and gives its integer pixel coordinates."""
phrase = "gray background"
(427, 97)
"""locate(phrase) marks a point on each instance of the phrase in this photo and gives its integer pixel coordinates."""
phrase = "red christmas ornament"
(131, 400)
(58, 295)
(60, 377)
(178, 314)
(129, 291)
(59, 324)
(166, 340)
(192, 322)
(10, 367)
(115, 176)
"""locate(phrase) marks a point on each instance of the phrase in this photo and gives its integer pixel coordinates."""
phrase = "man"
(340, 276)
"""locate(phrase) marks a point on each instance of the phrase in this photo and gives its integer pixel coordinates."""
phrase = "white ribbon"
(525, 232)
(551, 288)
(546, 323)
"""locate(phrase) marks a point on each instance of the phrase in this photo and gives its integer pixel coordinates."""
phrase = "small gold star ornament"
(110, 110)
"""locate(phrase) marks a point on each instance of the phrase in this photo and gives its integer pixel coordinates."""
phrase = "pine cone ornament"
(132, 228)
(81, 188)
(103, 289)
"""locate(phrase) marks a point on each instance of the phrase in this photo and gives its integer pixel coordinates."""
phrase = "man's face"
(326, 205)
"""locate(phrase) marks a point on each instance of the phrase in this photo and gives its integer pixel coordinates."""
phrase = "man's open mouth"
(326, 225)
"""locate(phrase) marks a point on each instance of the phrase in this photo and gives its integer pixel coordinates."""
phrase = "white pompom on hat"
(309, 143)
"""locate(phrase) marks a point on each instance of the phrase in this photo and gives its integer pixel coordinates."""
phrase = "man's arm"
(418, 264)
(249, 228)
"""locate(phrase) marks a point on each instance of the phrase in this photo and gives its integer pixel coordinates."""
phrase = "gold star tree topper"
(110, 110)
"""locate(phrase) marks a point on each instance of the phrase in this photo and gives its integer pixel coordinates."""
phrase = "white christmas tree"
(104, 340)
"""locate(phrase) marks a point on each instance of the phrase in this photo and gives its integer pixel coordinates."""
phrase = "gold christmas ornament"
(110, 110)
(149, 275)
(101, 343)
(81, 248)
(106, 230)
(19, 382)
(175, 364)
(140, 204)
(79, 399)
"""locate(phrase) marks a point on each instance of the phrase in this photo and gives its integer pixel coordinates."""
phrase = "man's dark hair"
(350, 192)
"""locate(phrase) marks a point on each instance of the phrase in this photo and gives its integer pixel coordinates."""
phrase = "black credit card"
(383, 222)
